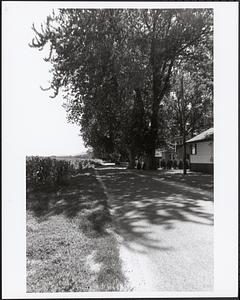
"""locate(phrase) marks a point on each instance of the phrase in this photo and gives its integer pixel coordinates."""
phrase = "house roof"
(205, 135)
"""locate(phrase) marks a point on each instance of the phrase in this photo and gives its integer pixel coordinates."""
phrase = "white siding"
(204, 153)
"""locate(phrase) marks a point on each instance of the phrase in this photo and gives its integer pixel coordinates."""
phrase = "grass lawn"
(70, 245)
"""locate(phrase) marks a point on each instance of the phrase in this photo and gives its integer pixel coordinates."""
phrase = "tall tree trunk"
(161, 72)
(153, 134)
(150, 161)
(132, 162)
(135, 137)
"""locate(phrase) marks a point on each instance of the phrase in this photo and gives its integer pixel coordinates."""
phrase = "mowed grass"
(70, 244)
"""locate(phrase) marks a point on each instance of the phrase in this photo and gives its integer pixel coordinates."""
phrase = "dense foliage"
(46, 171)
(115, 67)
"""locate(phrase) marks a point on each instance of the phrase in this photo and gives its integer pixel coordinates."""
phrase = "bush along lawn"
(70, 247)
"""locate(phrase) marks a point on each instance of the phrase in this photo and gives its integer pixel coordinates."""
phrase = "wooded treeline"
(131, 78)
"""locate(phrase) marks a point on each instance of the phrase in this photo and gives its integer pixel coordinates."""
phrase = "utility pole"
(183, 128)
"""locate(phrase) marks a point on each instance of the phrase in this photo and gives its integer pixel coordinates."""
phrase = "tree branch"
(192, 41)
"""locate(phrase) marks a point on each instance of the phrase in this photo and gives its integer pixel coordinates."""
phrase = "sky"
(40, 120)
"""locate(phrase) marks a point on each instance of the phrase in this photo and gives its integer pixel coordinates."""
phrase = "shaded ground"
(70, 245)
(80, 194)
(192, 179)
(165, 227)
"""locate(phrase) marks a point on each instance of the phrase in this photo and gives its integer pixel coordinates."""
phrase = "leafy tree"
(115, 68)
(190, 104)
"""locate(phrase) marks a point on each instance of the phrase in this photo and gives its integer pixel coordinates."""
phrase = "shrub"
(163, 164)
(169, 164)
(47, 171)
(50, 171)
(180, 164)
(175, 164)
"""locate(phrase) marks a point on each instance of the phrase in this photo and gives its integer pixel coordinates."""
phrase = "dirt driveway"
(164, 224)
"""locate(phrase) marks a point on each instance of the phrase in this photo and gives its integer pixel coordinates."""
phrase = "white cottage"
(201, 155)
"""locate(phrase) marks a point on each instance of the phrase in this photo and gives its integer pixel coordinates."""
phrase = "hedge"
(50, 171)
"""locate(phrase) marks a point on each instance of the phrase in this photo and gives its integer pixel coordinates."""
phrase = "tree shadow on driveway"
(141, 201)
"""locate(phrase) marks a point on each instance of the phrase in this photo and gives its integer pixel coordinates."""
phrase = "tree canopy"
(117, 67)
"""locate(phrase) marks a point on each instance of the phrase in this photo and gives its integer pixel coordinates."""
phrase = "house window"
(194, 149)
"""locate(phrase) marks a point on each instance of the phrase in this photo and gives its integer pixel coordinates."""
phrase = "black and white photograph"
(120, 149)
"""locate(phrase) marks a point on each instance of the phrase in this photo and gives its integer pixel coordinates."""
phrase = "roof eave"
(199, 141)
